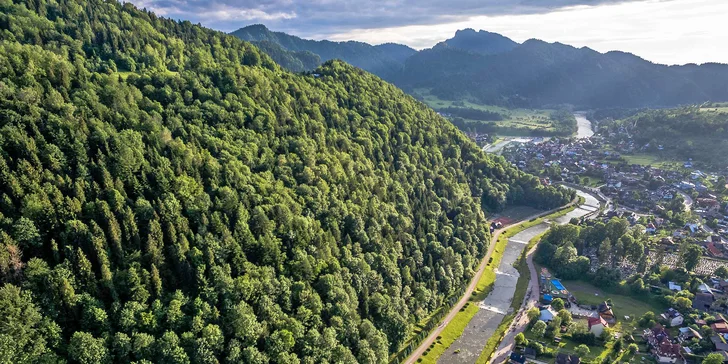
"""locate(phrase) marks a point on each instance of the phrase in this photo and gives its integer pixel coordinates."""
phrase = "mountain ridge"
(481, 42)
(493, 69)
(383, 60)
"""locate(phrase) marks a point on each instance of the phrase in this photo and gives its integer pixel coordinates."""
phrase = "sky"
(662, 31)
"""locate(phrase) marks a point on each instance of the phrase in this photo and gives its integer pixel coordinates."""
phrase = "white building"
(597, 325)
(547, 314)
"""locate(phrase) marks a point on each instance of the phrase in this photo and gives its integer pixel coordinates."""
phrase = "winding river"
(584, 126)
(493, 309)
(583, 130)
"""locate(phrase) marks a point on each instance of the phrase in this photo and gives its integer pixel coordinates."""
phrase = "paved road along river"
(467, 347)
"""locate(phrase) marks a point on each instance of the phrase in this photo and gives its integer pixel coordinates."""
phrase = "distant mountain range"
(493, 69)
(385, 60)
(480, 42)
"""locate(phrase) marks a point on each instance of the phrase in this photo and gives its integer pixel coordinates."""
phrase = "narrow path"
(471, 287)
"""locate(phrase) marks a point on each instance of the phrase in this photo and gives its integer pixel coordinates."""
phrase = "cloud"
(320, 18)
(219, 14)
(674, 32)
(665, 31)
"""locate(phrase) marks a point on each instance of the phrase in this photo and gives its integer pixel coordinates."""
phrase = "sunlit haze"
(663, 31)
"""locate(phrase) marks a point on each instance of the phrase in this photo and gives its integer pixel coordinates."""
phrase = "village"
(676, 207)
(565, 319)
(642, 193)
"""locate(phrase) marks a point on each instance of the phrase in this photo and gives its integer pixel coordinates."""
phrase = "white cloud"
(672, 32)
(230, 13)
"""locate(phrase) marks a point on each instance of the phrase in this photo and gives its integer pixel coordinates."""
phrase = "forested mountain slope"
(700, 133)
(170, 195)
(537, 74)
(298, 61)
(384, 60)
(492, 69)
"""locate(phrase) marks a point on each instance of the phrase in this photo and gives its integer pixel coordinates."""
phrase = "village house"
(517, 358)
(547, 314)
(661, 346)
(719, 342)
(720, 326)
(704, 288)
(687, 333)
(562, 358)
(710, 205)
(674, 286)
(605, 312)
(713, 250)
(597, 325)
(651, 228)
(672, 317)
(703, 301)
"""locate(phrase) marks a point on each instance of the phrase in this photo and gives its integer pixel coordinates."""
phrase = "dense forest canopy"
(298, 61)
(169, 194)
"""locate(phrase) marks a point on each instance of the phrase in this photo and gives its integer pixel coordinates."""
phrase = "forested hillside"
(168, 194)
(384, 60)
(700, 133)
(491, 69)
(537, 74)
(298, 61)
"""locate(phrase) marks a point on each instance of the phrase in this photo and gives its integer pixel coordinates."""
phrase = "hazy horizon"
(661, 31)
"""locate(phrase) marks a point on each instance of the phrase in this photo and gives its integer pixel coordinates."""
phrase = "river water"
(584, 130)
(468, 346)
(584, 126)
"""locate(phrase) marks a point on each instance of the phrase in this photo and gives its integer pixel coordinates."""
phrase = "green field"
(533, 119)
(715, 107)
(623, 305)
(645, 159)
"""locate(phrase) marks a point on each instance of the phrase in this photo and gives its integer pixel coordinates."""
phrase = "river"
(583, 130)
(468, 346)
(584, 126)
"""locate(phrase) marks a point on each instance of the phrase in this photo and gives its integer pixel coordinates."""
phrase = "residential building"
(672, 317)
(661, 346)
(547, 314)
(517, 358)
(597, 325)
(687, 333)
(562, 358)
(719, 342)
(720, 326)
(703, 301)
(605, 312)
